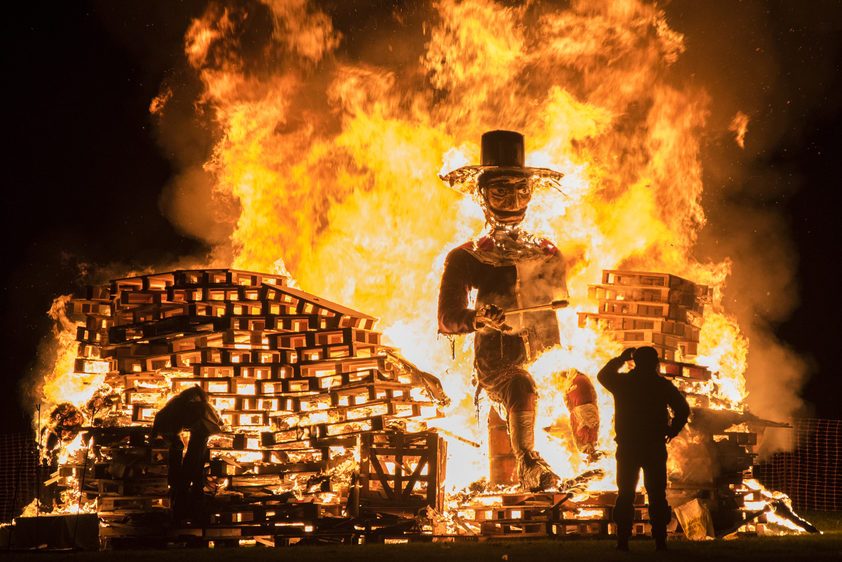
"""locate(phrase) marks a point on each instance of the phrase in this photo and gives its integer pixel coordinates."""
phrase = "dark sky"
(83, 171)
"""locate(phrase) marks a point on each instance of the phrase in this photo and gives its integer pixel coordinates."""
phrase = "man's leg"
(501, 456)
(178, 490)
(194, 467)
(628, 469)
(520, 408)
(655, 480)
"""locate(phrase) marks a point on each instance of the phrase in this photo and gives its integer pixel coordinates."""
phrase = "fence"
(811, 474)
(18, 473)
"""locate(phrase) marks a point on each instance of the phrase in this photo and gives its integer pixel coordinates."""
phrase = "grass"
(829, 522)
(827, 546)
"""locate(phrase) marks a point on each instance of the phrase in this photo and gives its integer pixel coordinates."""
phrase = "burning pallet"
(511, 515)
(304, 385)
(656, 309)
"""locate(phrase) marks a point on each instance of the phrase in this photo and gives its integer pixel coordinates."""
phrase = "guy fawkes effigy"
(518, 277)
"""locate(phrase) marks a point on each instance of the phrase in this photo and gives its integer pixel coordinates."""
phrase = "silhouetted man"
(643, 427)
(192, 411)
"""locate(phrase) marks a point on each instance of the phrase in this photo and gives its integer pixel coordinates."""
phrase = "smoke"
(759, 97)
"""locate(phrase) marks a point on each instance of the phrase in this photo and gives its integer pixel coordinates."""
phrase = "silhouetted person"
(188, 410)
(643, 427)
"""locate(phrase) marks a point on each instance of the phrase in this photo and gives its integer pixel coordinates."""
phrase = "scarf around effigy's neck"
(509, 245)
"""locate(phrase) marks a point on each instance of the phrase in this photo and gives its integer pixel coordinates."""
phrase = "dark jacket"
(642, 400)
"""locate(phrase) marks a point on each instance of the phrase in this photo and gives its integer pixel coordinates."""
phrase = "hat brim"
(466, 179)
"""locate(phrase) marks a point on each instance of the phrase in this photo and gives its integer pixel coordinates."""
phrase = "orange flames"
(326, 158)
(739, 126)
(328, 165)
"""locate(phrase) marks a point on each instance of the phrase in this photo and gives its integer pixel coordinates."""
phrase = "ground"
(827, 546)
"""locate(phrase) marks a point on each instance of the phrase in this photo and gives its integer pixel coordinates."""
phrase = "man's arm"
(454, 315)
(680, 411)
(608, 376)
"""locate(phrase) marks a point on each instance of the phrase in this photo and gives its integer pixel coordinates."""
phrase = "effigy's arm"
(453, 313)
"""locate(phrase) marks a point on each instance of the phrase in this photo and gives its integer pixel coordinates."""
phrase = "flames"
(325, 165)
(326, 154)
(739, 126)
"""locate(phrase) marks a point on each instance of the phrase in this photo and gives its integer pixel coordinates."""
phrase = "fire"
(331, 167)
(62, 383)
(739, 126)
(325, 166)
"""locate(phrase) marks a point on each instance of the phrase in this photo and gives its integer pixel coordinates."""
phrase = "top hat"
(501, 153)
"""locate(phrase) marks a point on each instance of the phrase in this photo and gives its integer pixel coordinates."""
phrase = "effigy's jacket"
(508, 269)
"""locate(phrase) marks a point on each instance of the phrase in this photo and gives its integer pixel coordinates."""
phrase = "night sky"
(83, 170)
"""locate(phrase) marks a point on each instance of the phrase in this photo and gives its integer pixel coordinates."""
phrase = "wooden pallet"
(402, 471)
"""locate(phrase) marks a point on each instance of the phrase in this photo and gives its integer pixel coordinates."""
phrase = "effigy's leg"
(520, 399)
(501, 457)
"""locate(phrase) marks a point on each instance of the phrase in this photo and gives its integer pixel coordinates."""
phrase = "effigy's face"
(507, 199)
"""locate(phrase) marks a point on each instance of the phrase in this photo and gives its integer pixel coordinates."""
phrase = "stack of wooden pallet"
(326, 437)
(303, 384)
(550, 514)
(656, 309)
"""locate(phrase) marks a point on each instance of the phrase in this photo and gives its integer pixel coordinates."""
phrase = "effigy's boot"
(533, 472)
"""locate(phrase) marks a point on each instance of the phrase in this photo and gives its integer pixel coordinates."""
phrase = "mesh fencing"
(18, 473)
(810, 474)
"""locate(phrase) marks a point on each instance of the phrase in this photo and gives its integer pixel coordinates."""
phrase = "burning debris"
(653, 309)
(324, 429)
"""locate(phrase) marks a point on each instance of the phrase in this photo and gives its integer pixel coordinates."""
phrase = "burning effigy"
(322, 175)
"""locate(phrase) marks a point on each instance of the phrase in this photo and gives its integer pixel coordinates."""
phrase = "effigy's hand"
(492, 316)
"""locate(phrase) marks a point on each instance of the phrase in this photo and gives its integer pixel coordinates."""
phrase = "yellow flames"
(723, 350)
(332, 165)
(62, 383)
(764, 501)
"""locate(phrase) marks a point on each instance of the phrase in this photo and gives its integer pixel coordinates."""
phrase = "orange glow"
(739, 126)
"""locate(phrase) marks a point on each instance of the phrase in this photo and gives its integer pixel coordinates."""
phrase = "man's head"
(505, 195)
(645, 359)
(194, 394)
